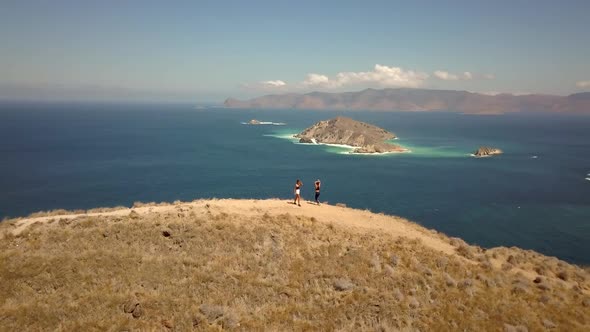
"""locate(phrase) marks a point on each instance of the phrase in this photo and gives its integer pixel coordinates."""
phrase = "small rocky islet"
(486, 151)
(364, 137)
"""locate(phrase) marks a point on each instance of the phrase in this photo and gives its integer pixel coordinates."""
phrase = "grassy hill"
(269, 265)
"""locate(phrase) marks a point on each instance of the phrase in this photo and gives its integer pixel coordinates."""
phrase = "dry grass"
(61, 212)
(57, 212)
(197, 269)
(105, 209)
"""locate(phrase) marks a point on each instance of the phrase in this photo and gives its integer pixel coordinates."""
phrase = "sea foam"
(268, 123)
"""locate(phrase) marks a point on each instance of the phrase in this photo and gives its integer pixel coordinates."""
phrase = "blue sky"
(205, 51)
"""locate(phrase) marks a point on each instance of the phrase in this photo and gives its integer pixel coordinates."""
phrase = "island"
(254, 122)
(486, 151)
(364, 137)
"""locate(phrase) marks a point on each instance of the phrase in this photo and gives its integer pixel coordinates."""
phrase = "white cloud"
(276, 83)
(380, 75)
(583, 84)
(446, 76)
(317, 79)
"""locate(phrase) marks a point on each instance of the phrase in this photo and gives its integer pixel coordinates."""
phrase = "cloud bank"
(277, 83)
(380, 76)
(465, 76)
(583, 84)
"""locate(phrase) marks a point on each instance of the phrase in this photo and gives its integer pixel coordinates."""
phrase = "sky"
(206, 51)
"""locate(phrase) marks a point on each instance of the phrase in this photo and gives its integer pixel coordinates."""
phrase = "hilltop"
(419, 100)
(270, 265)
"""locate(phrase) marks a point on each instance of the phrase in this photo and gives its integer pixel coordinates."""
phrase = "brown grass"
(57, 212)
(199, 269)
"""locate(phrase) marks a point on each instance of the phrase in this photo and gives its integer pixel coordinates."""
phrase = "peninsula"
(364, 137)
(406, 99)
(252, 265)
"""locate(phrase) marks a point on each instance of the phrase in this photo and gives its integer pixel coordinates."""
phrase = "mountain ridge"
(409, 99)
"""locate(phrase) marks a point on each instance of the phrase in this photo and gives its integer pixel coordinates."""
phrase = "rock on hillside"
(341, 130)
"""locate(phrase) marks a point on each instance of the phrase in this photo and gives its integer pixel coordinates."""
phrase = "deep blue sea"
(535, 196)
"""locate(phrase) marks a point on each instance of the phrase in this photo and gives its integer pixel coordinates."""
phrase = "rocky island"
(486, 151)
(364, 137)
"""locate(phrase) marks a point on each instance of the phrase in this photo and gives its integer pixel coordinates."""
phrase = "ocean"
(83, 155)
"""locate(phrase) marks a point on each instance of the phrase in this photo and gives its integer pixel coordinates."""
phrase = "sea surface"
(535, 196)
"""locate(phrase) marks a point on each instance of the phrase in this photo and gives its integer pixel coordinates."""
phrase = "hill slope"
(253, 265)
(418, 100)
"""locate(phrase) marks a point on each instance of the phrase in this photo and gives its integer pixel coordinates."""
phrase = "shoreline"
(378, 153)
(413, 150)
(350, 147)
(265, 123)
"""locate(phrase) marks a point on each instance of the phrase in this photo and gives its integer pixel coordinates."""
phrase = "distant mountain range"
(420, 100)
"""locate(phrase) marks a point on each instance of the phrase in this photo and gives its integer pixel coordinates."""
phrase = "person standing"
(298, 185)
(318, 184)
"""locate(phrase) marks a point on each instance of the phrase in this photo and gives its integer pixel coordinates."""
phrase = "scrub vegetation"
(195, 267)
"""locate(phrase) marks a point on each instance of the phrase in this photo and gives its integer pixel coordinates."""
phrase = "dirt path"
(360, 220)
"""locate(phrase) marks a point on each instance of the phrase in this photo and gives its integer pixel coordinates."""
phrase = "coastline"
(350, 147)
(264, 123)
(413, 150)
(378, 153)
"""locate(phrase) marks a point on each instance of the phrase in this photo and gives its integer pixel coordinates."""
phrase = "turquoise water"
(534, 196)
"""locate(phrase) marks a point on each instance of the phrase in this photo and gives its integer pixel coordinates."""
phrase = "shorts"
(297, 191)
